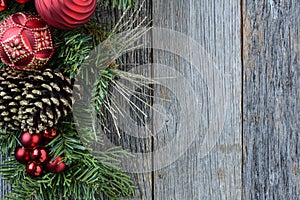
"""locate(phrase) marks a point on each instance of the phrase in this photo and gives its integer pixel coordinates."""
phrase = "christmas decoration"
(57, 166)
(2, 5)
(33, 101)
(26, 41)
(35, 156)
(34, 169)
(67, 14)
(22, 155)
(22, 1)
(39, 154)
(45, 157)
(31, 140)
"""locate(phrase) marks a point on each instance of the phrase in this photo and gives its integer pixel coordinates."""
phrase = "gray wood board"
(271, 103)
(129, 130)
(214, 171)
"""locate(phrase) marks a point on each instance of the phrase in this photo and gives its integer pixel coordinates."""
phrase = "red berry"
(34, 169)
(22, 155)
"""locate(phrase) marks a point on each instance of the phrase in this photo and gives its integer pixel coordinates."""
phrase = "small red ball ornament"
(39, 155)
(57, 166)
(25, 41)
(66, 14)
(34, 169)
(22, 1)
(31, 140)
(49, 134)
(3, 5)
(21, 155)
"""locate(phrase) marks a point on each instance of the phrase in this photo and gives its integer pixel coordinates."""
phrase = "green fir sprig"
(87, 177)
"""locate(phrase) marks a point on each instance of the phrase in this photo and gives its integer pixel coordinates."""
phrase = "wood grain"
(215, 25)
(271, 99)
(257, 154)
(129, 138)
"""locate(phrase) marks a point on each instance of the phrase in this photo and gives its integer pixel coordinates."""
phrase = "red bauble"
(57, 166)
(66, 14)
(39, 155)
(26, 41)
(49, 134)
(22, 1)
(3, 5)
(34, 169)
(21, 155)
(31, 140)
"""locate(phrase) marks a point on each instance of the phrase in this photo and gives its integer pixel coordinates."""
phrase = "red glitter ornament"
(31, 140)
(22, 1)
(57, 166)
(34, 169)
(66, 14)
(39, 155)
(26, 41)
(21, 155)
(3, 5)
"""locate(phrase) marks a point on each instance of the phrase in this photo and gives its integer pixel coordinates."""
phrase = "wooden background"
(255, 44)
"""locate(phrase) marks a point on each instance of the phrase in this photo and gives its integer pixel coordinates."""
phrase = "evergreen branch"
(87, 177)
(122, 4)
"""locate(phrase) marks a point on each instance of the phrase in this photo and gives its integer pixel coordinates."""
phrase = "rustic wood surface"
(255, 46)
(215, 25)
(271, 99)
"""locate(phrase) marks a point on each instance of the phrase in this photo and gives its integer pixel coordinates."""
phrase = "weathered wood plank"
(205, 170)
(271, 99)
(130, 131)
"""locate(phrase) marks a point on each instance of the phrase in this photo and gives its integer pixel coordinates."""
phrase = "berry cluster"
(34, 154)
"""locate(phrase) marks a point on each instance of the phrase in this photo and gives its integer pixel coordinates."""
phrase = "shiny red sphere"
(39, 155)
(49, 134)
(26, 139)
(22, 155)
(34, 169)
(57, 166)
(66, 14)
(22, 1)
(3, 5)
(31, 140)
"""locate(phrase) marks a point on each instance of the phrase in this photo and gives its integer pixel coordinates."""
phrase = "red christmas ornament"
(39, 155)
(26, 41)
(57, 166)
(31, 140)
(34, 169)
(49, 134)
(22, 155)
(66, 14)
(22, 1)
(3, 5)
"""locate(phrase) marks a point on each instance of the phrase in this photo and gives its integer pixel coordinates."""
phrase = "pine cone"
(42, 98)
(10, 96)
